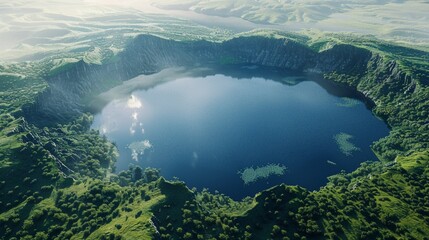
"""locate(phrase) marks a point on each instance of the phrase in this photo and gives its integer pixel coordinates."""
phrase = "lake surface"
(205, 130)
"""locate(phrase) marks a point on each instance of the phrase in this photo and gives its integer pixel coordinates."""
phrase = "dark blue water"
(203, 130)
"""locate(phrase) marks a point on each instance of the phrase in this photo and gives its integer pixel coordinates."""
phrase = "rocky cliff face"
(344, 59)
(389, 77)
(69, 89)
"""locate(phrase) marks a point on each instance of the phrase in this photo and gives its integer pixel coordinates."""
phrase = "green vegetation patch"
(249, 175)
(348, 102)
(343, 142)
(415, 163)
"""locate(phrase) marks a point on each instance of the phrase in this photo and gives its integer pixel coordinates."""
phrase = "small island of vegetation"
(343, 141)
(251, 174)
(348, 102)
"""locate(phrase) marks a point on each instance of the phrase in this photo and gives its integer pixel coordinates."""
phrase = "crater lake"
(242, 130)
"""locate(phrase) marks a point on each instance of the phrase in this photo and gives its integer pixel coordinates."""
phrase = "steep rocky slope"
(68, 89)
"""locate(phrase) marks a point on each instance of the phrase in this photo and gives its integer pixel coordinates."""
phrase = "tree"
(137, 173)
(151, 174)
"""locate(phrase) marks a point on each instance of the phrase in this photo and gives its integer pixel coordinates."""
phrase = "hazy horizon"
(38, 27)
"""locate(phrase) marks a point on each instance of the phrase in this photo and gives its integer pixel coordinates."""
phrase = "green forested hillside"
(56, 182)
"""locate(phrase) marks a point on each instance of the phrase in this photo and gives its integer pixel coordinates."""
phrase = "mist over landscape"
(40, 27)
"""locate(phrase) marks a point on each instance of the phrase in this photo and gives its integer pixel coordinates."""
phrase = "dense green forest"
(58, 181)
